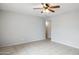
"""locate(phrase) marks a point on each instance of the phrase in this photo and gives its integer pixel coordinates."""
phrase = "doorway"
(48, 29)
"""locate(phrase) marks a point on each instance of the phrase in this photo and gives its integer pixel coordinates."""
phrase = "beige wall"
(65, 28)
(16, 28)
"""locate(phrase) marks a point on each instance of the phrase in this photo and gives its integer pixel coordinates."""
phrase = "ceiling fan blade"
(41, 11)
(51, 10)
(42, 3)
(55, 6)
(47, 4)
(37, 8)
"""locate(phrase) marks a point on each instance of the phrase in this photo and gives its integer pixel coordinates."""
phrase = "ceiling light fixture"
(47, 7)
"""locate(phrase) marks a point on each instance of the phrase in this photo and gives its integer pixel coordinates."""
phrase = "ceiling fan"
(46, 7)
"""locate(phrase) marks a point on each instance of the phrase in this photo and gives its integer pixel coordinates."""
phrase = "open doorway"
(48, 29)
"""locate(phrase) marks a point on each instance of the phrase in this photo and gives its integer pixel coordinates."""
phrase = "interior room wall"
(16, 28)
(65, 28)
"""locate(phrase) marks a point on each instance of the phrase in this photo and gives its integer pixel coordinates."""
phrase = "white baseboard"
(17, 43)
(67, 44)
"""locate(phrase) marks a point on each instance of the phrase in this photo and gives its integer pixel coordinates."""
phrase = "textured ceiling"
(27, 8)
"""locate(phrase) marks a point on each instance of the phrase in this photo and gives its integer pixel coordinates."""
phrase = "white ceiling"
(27, 8)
